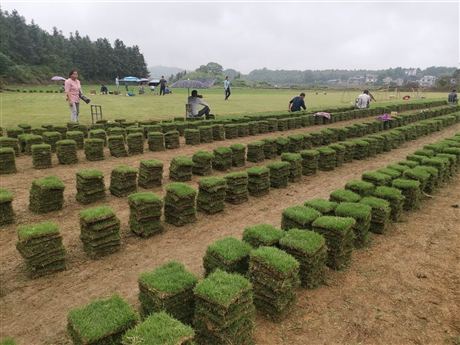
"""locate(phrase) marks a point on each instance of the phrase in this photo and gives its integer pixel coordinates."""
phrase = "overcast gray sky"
(277, 35)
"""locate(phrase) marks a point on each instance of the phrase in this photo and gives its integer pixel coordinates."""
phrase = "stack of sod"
(223, 158)
(272, 124)
(452, 164)
(432, 181)
(282, 145)
(309, 162)
(90, 186)
(94, 149)
(78, 137)
(135, 143)
(41, 131)
(350, 148)
(98, 134)
(10, 142)
(46, 195)
(256, 152)
(270, 148)
(167, 126)
(145, 210)
(339, 235)
(263, 127)
(7, 215)
(211, 194)
(381, 211)
(66, 151)
(398, 167)
(283, 124)
(410, 189)
(326, 207)
(172, 140)
(224, 310)
(243, 129)
(161, 329)
(298, 217)
(307, 142)
(180, 169)
(440, 164)
(97, 126)
(262, 235)
(453, 151)
(14, 132)
(351, 131)
(101, 322)
(180, 204)
(390, 172)
(342, 133)
(379, 143)
(344, 195)
(27, 128)
(41, 247)
(237, 187)
(258, 181)
(279, 174)
(339, 153)
(205, 134)
(253, 127)
(41, 156)
(362, 188)
(274, 275)
(62, 129)
(231, 131)
(202, 163)
(238, 155)
(327, 136)
(117, 131)
(425, 153)
(376, 178)
(27, 140)
(218, 132)
(360, 129)
(150, 173)
(292, 123)
(327, 159)
(361, 149)
(418, 174)
(7, 161)
(362, 214)
(316, 137)
(227, 254)
(192, 136)
(123, 181)
(156, 141)
(309, 249)
(373, 146)
(99, 231)
(295, 143)
(134, 129)
(295, 165)
(117, 146)
(394, 198)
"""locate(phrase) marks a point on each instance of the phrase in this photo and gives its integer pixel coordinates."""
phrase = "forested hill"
(29, 54)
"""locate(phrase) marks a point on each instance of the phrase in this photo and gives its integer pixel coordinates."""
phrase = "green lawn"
(37, 108)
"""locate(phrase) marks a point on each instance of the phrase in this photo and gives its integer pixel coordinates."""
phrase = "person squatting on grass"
(296, 103)
(452, 98)
(73, 91)
(195, 100)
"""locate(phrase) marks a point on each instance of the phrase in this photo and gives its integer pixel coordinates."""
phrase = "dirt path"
(401, 289)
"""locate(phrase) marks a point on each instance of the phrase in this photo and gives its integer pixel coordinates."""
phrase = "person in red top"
(73, 91)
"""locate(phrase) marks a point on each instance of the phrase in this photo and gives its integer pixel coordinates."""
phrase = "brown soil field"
(403, 288)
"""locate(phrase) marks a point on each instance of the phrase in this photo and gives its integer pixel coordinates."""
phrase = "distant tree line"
(29, 54)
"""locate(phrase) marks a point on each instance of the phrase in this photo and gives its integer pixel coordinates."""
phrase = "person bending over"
(452, 98)
(296, 103)
(194, 100)
(363, 101)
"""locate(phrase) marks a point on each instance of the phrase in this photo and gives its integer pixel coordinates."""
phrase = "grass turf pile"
(298, 217)
(441, 164)
(398, 167)
(222, 158)
(224, 310)
(274, 275)
(376, 178)
(12, 143)
(253, 127)
(123, 181)
(101, 322)
(381, 211)
(452, 166)
(90, 186)
(379, 143)
(78, 137)
(205, 134)
(309, 249)
(344, 195)
(373, 146)
(309, 162)
(180, 204)
(202, 163)
(94, 149)
(41, 156)
(192, 136)
(145, 210)
(66, 151)
(262, 235)
(258, 181)
(135, 143)
(218, 132)
(270, 150)
(339, 235)
(263, 127)
(432, 182)
(46, 195)
(327, 159)
(227, 254)
(410, 189)
(27, 140)
(295, 166)
(156, 141)
(98, 134)
(362, 214)
(167, 126)
(117, 146)
(316, 137)
(231, 131)
(237, 187)
(211, 194)
(172, 140)
(408, 163)
(361, 149)
(14, 132)
(362, 188)
(159, 329)
(150, 173)
(279, 174)
(7, 214)
(339, 153)
(282, 145)
(99, 231)
(256, 152)
(168, 288)
(41, 247)
(283, 124)
(325, 207)
(418, 175)
(391, 172)
(238, 155)
(180, 169)
(350, 148)
(395, 199)
(272, 124)
(295, 143)
(243, 129)
(116, 131)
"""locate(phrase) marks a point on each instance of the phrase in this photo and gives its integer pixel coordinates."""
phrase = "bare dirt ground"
(401, 289)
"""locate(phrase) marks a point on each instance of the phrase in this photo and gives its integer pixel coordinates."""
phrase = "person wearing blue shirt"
(227, 87)
(296, 103)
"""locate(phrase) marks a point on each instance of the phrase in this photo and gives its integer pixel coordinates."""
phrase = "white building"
(371, 78)
(427, 81)
(410, 72)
